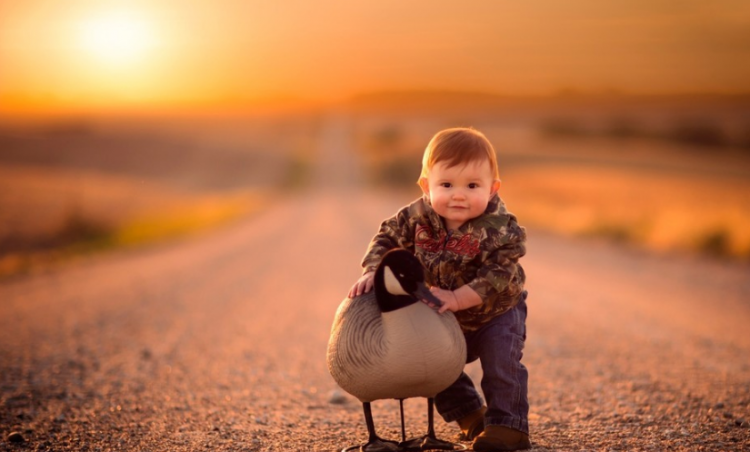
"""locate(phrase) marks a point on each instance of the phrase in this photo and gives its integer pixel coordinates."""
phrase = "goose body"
(387, 344)
(410, 352)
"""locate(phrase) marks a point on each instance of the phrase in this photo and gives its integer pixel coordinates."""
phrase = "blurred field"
(661, 176)
(658, 211)
(68, 188)
(48, 215)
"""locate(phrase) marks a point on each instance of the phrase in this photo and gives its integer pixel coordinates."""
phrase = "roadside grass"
(82, 235)
(298, 172)
(200, 215)
(658, 211)
(685, 130)
(49, 216)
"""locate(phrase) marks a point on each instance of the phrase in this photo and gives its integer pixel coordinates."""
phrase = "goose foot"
(377, 445)
(410, 445)
(374, 442)
(428, 442)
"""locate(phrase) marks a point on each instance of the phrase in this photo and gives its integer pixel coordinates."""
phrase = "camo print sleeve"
(394, 232)
(500, 279)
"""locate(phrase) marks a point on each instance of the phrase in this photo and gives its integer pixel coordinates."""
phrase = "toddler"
(469, 245)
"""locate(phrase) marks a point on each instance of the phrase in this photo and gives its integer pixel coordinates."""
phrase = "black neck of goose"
(388, 302)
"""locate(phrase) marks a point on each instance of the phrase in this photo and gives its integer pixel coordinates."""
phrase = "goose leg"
(403, 428)
(430, 441)
(374, 442)
(413, 444)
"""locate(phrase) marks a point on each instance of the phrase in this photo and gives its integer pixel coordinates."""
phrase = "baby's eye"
(446, 184)
(473, 185)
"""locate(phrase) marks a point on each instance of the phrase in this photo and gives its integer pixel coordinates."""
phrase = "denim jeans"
(499, 347)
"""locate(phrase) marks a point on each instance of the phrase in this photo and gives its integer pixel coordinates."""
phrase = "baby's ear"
(424, 185)
(495, 187)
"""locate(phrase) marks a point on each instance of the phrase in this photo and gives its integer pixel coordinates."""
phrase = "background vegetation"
(659, 174)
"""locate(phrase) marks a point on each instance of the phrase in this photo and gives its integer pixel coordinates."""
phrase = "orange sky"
(98, 54)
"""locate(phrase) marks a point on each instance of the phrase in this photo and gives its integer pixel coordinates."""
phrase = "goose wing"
(357, 345)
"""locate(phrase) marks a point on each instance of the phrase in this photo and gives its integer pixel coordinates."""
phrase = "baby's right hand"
(363, 285)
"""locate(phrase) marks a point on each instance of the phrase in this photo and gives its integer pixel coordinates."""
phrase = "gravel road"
(218, 343)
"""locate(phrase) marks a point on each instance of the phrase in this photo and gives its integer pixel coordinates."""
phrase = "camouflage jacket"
(482, 253)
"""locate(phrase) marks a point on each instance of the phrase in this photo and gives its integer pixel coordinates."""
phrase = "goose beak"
(423, 293)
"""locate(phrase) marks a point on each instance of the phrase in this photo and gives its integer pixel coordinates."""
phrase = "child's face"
(461, 192)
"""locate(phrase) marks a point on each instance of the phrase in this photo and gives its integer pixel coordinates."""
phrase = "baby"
(469, 245)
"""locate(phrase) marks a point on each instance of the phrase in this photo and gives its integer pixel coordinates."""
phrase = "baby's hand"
(449, 299)
(363, 285)
(455, 300)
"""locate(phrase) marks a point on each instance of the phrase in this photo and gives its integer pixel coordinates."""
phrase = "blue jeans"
(499, 347)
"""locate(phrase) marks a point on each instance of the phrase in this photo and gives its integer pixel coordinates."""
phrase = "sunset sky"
(96, 54)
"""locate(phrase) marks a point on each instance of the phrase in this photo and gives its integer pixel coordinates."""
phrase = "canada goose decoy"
(386, 344)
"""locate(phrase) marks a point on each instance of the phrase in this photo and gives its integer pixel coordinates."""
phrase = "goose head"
(399, 282)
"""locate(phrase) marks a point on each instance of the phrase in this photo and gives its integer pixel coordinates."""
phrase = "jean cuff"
(522, 425)
(462, 410)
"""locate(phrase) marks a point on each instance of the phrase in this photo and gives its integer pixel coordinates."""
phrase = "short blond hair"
(459, 146)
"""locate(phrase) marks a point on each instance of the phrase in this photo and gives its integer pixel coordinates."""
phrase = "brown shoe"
(472, 424)
(498, 437)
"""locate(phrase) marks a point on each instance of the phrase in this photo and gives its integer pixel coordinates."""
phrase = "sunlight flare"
(116, 37)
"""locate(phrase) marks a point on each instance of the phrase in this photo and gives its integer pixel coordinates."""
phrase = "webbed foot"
(410, 445)
(432, 443)
(428, 443)
(378, 445)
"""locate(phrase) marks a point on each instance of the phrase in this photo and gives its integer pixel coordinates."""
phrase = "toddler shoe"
(501, 438)
(472, 424)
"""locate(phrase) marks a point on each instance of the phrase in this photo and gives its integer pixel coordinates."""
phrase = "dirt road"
(218, 343)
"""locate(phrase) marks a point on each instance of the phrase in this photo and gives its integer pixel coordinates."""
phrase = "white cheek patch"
(391, 283)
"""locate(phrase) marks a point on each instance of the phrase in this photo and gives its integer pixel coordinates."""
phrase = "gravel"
(219, 344)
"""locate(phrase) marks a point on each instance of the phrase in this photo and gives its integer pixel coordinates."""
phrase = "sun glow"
(116, 37)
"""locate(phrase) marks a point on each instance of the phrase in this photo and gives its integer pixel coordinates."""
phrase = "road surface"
(218, 343)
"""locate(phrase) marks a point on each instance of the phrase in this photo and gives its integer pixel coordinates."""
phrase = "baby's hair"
(459, 146)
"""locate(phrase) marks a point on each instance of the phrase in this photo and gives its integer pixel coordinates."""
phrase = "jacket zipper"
(447, 237)
(445, 244)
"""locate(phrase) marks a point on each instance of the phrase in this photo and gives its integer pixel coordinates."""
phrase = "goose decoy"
(386, 344)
